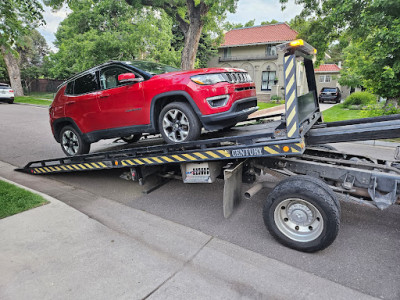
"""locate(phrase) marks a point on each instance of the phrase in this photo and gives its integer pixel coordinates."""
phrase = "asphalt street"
(364, 257)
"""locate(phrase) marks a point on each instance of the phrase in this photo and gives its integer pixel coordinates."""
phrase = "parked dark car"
(330, 94)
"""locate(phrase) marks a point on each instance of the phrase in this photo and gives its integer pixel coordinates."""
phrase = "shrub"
(359, 98)
(276, 98)
(376, 110)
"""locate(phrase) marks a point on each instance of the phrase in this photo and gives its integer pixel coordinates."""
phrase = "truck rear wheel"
(302, 213)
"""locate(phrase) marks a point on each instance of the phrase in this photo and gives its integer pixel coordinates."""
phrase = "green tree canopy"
(17, 17)
(190, 15)
(372, 28)
(98, 31)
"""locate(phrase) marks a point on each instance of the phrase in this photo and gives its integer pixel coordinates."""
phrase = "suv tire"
(131, 138)
(178, 123)
(72, 142)
(11, 101)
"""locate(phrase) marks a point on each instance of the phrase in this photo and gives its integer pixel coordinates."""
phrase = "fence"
(44, 85)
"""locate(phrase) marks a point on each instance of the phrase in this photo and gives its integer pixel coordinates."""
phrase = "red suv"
(126, 99)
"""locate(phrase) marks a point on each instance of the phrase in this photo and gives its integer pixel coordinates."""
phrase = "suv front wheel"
(178, 123)
(72, 142)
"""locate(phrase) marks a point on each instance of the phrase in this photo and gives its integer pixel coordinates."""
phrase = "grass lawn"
(338, 113)
(42, 95)
(32, 100)
(14, 200)
(264, 105)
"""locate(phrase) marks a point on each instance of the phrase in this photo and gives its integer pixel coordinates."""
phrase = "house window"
(227, 52)
(267, 80)
(271, 50)
(324, 78)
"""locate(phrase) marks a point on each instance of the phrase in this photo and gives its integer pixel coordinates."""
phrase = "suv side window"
(109, 76)
(86, 84)
(70, 88)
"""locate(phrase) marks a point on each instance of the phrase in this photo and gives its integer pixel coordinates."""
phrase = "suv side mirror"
(128, 78)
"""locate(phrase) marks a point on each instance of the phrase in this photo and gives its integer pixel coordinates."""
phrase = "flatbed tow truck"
(289, 156)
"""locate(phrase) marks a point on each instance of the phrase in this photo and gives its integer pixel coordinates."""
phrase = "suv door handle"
(104, 96)
(70, 102)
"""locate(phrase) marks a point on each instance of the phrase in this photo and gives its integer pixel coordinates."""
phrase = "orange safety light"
(285, 148)
(297, 43)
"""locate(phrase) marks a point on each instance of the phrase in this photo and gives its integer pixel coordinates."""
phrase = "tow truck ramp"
(289, 156)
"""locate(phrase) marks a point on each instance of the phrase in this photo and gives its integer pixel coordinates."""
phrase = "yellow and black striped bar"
(292, 119)
(61, 168)
(295, 148)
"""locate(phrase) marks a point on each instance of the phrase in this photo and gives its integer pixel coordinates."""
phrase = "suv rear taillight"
(11, 91)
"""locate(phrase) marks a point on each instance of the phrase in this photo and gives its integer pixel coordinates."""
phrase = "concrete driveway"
(364, 257)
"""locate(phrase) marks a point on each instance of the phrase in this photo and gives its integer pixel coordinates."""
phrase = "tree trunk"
(392, 102)
(192, 38)
(13, 71)
(192, 32)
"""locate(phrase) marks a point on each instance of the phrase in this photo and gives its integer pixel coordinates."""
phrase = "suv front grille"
(238, 77)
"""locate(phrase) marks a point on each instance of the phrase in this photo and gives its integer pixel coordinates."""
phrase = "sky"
(260, 10)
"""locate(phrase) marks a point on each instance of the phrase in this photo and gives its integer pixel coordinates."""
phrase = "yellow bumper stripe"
(224, 153)
(189, 156)
(289, 68)
(166, 158)
(198, 154)
(270, 150)
(148, 160)
(157, 160)
(292, 130)
(178, 158)
(212, 154)
(291, 116)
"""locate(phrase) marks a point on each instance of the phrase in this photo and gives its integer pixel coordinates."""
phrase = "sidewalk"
(110, 251)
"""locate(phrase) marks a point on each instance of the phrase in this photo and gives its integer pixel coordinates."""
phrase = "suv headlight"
(208, 79)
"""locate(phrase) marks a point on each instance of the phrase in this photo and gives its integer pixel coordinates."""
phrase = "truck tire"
(72, 142)
(178, 123)
(302, 213)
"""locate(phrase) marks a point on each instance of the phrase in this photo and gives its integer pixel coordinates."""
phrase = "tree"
(32, 53)
(98, 31)
(17, 18)
(229, 26)
(191, 16)
(273, 21)
(373, 30)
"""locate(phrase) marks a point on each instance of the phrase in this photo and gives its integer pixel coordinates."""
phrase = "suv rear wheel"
(72, 142)
(131, 138)
(178, 123)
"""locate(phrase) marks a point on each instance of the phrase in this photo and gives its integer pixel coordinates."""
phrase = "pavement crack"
(180, 269)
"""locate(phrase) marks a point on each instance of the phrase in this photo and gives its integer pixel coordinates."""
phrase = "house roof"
(263, 34)
(327, 68)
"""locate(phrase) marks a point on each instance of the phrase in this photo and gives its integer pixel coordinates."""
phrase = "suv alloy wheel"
(72, 143)
(178, 123)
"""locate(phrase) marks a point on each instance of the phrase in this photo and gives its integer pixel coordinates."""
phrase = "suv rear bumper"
(239, 112)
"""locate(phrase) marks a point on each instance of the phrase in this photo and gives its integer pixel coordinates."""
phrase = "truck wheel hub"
(300, 214)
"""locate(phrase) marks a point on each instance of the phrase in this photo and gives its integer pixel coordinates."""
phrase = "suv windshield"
(152, 67)
(4, 86)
